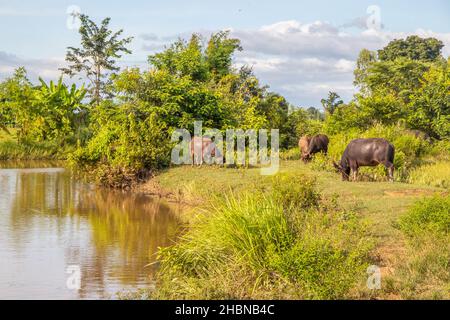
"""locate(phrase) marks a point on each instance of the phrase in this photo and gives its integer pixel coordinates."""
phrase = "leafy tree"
(183, 59)
(315, 114)
(406, 84)
(16, 102)
(413, 48)
(399, 78)
(299, 123)
(219, 53)
(429, 109)
(331, 103)
(365, 60)
(99, 48)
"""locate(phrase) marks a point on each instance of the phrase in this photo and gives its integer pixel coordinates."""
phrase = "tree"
(16, 102)
(365, 60)
(315, 114)
(429, 109)
(183, 59)
(331, 103)
(219, 53)
(414, 48)
(99, 48)
(58, 108)
(399, 78)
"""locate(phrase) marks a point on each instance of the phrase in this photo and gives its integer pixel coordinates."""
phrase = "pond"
(64, 239)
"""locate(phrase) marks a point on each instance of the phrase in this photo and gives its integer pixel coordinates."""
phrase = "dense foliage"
(46, 112)
(407, 82)
(124, 127)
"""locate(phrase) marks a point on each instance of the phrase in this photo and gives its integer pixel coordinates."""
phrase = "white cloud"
(44, 68)
(302, 61)
(305, 61)
(21, 12)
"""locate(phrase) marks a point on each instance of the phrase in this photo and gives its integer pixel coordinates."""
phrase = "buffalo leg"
(354, 170)
(355, 173)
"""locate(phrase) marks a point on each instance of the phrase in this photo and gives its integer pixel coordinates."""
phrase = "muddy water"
(63, 239)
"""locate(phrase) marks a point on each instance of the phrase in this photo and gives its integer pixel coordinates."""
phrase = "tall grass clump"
(425, 272)
(435, 175)
(262, 246)
(12, 150)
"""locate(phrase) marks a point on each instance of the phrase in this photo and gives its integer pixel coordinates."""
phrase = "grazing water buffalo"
(318, 143)
(366, 152)
(420, 135)
(200, 147)
(303, 145)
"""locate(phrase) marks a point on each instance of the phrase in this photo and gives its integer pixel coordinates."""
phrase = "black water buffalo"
(420, 135)
(318, 143)
(366, 152)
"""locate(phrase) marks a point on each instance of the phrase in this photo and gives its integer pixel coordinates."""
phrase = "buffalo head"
(344, 170)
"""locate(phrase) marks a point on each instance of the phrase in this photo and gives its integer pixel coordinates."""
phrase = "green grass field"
(381, 204)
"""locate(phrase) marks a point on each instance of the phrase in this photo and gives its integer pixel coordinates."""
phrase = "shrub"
(440, 150)
(428, 215)
(124, 147)
(321, 162)
(290, 154)
(295, 191)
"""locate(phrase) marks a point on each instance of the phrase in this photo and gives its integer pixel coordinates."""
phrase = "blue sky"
(301, 49)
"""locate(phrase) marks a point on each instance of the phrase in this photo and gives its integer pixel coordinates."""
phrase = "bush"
(124, 146)
(262, 246)
(295, 191)
(440, 150)
(290, 154)
(321, 162)
(428, 215)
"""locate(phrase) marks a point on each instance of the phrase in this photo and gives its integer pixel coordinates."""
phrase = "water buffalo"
(366, 152)
(420, 135)
(318, 143)
(204, 146)
(303, 145)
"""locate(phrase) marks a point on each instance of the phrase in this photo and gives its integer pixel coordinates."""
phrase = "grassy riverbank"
(371, 213)
(11, 149)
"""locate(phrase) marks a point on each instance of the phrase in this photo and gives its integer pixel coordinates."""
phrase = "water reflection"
(49, 221)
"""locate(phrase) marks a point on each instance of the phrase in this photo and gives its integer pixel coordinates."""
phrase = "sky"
(300, 49)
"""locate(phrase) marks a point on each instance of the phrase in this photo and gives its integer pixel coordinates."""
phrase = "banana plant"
(58, 108)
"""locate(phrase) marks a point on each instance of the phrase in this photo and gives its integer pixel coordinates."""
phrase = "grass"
(10, 149)
(425, 271)
(380, 204)
(261, 245)
(435, 174)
